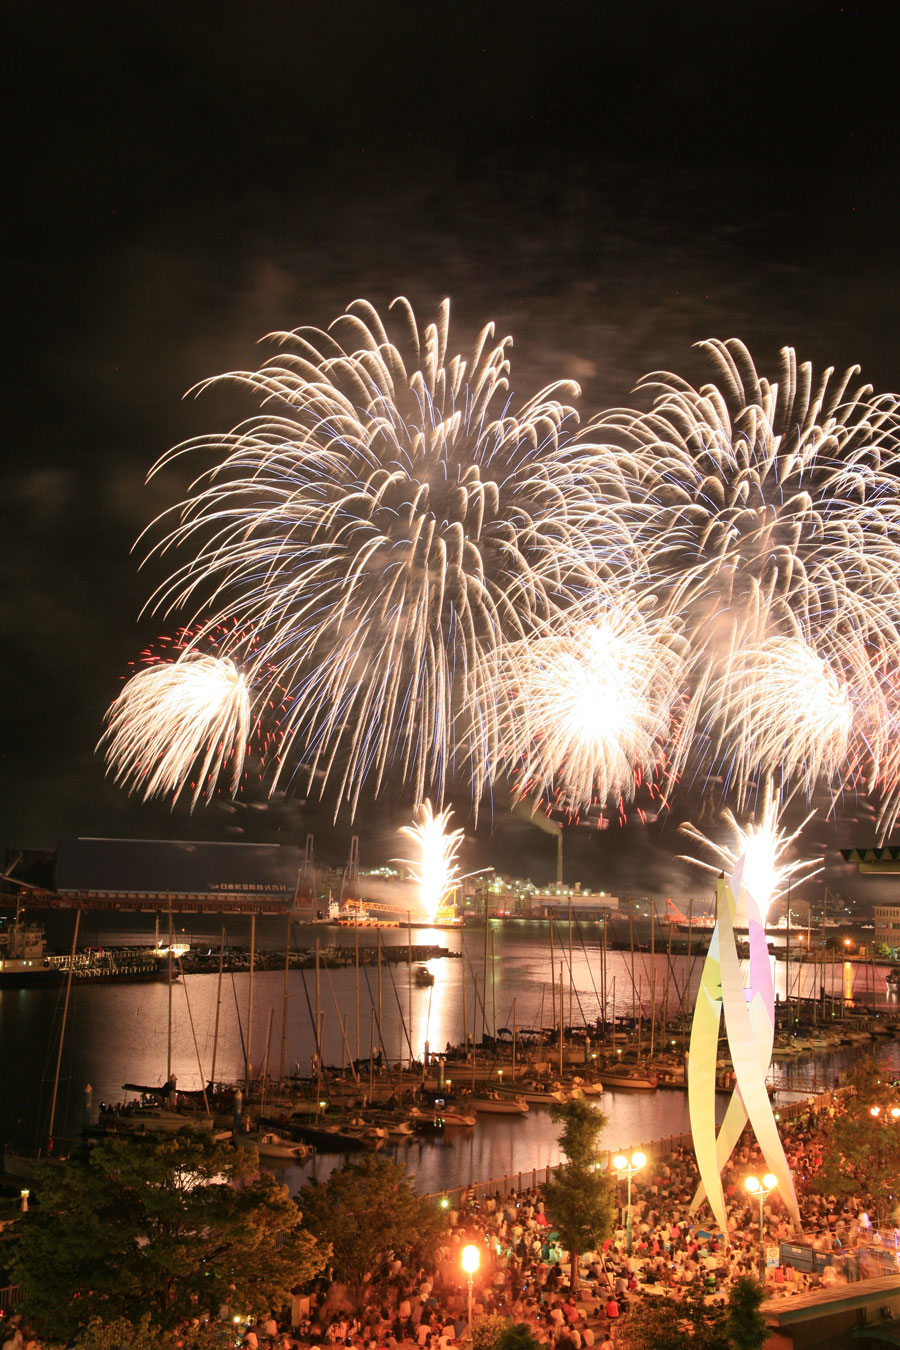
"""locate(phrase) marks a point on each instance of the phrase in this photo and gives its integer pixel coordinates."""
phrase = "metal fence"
(656, 1149)
(9, 1297)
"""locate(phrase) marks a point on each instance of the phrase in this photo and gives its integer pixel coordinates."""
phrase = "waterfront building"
(887, 927)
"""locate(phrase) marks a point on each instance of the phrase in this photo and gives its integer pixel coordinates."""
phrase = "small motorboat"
(423, 977)
(274, 1146)
(503, 1105)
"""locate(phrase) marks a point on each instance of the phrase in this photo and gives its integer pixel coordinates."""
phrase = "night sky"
(610, 184)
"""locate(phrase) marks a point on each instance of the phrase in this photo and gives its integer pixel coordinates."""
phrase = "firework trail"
(435, 870)
(178, 720)
(381, 526)
(591, 705)
(769, 518)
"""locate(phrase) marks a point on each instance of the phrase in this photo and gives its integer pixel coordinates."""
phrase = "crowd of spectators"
(525, 1276)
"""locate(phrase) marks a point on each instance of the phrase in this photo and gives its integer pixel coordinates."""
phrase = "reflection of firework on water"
(178, 720)
(590, 706)
(769, 513)
(381, 526)
(435, 870)
(768, 874)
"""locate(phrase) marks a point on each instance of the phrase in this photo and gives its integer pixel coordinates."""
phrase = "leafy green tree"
(368, 1212)
(517, 1336)
(662, 1323)
(579, 1198)
(487, 1330)
(862, 1158)
(168, 1229)
(145, 1336)
(745, 1325)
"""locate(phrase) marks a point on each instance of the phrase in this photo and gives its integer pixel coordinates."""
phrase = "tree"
(368, 1212)
(145, 1336)
(862, 1158)
(518, 1336)
(168, 1229)
(664, 1323)
(745, 1325)
(487, 1330)
(578, 1196)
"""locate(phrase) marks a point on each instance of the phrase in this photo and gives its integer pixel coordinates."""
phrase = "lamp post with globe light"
(471, 1259)
(761, 1189)
(629, 1166)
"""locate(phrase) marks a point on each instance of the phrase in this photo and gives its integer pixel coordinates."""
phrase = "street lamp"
(762, 1189)
(471, 1260)
(629, 1167)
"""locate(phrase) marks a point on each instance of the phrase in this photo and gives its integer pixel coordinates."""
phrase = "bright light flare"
(435, 870)
(768, 872)
(590, 705)
(177, 721)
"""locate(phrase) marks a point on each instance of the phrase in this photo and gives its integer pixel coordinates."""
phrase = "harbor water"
(118, 1033)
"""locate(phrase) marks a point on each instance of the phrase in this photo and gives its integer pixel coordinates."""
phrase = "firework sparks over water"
(381, 526)
(435, 870)
(178, 721)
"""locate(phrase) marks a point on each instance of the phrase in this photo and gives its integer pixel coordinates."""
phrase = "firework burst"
(768, 515)
(591, 706)
(175, 721)
(381, 526)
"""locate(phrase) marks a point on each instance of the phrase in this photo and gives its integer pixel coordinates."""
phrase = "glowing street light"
(471, 1260)
(629, 1167)
(892, 1112)
(762, 1189)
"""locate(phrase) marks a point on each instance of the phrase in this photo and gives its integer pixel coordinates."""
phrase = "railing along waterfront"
(535, 1177)
(9, 1297)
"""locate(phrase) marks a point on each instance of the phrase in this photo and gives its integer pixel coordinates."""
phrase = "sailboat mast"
(493, 988)
(484, 973)
(514, 1029)
(652, 976)
(62, 1030)
(284, 999)
(317, 1007)
(571, 973)
(169, 1032)
(358, 1042)
(249, 1062)
(465, 1007)
(212, 1072)
(560, 1019)
(409, 966)
(552, 974)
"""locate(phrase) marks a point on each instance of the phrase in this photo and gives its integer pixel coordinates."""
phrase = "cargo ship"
(25, 962)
